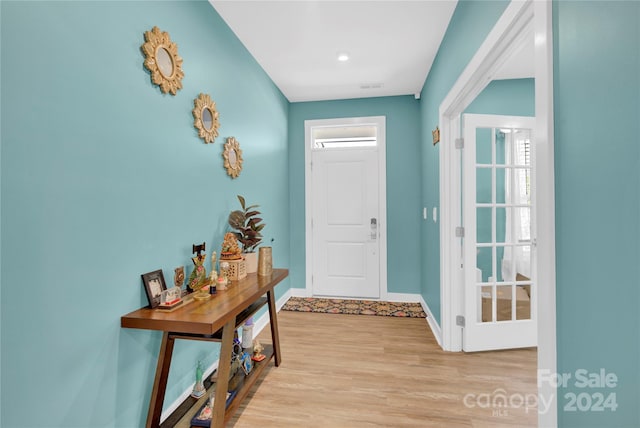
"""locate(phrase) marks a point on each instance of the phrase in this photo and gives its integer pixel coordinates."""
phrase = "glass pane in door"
(523, 302)
(485, 299)
(483, 185)
(484, 262)
(504, 297)
(484, 225)
(484, 154)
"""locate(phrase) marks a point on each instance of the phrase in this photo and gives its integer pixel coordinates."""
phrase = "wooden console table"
(214, 319)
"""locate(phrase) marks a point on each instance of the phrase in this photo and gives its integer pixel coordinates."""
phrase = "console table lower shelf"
(240, 385)
(214, 319)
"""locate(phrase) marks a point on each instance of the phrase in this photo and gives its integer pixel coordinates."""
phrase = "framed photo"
(154, 285)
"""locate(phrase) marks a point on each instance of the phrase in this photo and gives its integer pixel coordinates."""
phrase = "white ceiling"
(391, 44)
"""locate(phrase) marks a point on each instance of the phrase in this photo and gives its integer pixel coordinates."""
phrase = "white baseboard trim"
(300, 292)
(403, 297)
(433, 324)
(258, 326)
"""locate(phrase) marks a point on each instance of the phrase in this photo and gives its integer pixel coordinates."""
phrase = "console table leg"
(224, 368)
(160, 382)
(273, 321)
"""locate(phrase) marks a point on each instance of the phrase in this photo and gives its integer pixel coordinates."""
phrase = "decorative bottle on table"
(213, 276)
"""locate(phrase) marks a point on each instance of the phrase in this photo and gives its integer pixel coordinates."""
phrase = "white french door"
(345, 230)
(499, 248)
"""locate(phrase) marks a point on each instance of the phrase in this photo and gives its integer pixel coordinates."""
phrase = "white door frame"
(380, 123)
(518, 21)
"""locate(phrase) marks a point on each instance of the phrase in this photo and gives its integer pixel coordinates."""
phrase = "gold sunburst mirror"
(232, 157)
(205, 118)
(162, 60)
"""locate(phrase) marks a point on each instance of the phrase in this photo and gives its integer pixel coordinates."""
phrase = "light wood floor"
(368, 371)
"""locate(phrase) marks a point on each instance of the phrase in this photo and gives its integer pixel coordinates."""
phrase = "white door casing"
(519, 18)
(499, 232)
(340, 195)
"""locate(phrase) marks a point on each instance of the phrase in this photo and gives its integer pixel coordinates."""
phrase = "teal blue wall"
(403, 184)
(104, 178)
(470, 24)
(596, 87)
(513, 97)
(597, 116)
(84, 210)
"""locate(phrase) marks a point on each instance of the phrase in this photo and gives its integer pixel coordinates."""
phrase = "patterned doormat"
(354, 307)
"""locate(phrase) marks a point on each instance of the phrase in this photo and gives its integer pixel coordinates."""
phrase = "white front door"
(500, 284)
(346, 219)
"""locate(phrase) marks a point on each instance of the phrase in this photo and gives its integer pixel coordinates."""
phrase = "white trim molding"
(512, 29)
(403, 297)
(545, 211)
(519, 20)
(300, 292)
(431, 320)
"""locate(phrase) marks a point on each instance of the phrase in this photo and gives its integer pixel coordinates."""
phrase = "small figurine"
(198, 388)
(247, 365)
(257, 351)
(213, 261)
(178, 277)
(230, 248)
(199, 274)
(213, 275)
(207, 411)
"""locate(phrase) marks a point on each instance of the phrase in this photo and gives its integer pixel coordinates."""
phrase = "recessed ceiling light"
(343, 57)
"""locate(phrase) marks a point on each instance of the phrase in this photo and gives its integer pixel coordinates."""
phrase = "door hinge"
(460, 320)
(459, 143)
(459, 232)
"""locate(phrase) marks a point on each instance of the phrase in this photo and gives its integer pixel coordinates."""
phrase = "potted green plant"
(248, 226)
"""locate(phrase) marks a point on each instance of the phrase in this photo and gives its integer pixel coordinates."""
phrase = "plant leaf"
(252, 222)
(237, 219)
(241, 199)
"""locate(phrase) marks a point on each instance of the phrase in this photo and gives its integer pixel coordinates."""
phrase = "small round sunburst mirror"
(205, 118)
(162, 60)
(232, 157)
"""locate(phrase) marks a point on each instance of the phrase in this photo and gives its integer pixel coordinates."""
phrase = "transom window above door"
(341, 137)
